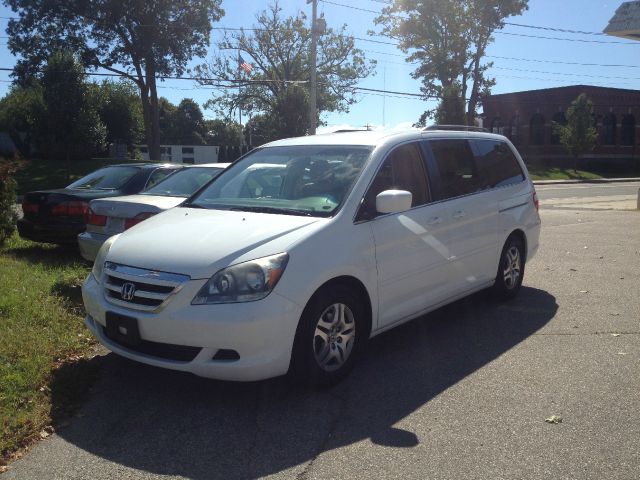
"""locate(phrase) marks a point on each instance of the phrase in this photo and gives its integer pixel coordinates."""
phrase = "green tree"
(223, 132)
(72, 126)
(278, 49)
(142, 41)
(579, 135)
(448, 39)
(21, 113)
(119, 108)
(8, 215)
(450, 110)
(188, 124)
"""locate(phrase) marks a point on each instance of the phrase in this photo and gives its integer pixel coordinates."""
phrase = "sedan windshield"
(295, 180)
(109, 178)
(184, 182)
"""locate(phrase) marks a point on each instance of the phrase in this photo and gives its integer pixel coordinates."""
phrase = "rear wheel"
(330, 335)
(511, 269)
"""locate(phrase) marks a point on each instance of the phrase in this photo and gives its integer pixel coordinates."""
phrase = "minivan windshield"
(292, 180)
(184, 182)
(108, 178)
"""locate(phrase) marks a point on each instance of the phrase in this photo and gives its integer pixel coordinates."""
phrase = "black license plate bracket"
(122, 329)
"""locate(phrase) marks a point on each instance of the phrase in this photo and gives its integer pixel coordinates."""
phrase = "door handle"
(459, 214)
(434, 221)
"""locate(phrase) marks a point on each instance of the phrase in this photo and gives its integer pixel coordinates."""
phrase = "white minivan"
(305, 248)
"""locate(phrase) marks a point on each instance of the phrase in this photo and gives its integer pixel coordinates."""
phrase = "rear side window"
(458, 174)
(403, 169)
(158, 175)
(109, 178)
(497, 165)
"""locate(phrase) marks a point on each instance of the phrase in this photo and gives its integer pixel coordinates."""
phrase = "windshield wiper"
(286, 211)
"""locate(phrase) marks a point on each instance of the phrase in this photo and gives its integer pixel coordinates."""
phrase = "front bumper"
(261, 332)
(90, 243)
(54, 232)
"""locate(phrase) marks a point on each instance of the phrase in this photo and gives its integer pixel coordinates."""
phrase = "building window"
(609, 129)
(513, 130)
(537, 129)
(628, 130)
(497, 126)
(559, 119)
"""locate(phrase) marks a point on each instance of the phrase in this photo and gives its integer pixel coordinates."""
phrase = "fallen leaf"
(44, 434)
(554, 419)
(3, 468)
(615, 334)
(573, 269)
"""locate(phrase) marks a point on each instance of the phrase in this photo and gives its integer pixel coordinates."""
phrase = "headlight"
(98, 264)
(245, 282)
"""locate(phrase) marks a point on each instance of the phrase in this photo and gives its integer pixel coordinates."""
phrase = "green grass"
(43, 371)
(45, 174)
(555, 173)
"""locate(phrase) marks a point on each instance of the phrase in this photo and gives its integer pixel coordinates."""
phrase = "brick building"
(526, 118)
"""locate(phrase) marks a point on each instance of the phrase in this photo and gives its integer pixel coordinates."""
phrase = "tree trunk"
(151, 114)
(154, 143)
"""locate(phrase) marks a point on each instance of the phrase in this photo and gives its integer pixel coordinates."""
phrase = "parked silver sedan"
(108, 217)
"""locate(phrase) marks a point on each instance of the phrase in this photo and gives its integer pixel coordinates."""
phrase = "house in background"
(526, 119)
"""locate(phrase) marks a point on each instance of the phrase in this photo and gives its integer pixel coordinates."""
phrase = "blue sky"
(514, 72)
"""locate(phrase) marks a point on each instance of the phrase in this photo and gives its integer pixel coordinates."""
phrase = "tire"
(510, 269)
(330, 335)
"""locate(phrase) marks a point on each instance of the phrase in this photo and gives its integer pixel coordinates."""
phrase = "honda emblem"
(127, 291)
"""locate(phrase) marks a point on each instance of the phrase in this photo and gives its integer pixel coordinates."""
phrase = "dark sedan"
(58, 216)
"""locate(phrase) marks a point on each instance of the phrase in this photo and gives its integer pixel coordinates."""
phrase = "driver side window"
(403, 169)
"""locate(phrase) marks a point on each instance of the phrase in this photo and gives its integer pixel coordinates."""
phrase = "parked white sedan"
(108, 217)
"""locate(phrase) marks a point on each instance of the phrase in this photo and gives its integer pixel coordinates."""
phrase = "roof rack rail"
(465, 128)
(346, 130)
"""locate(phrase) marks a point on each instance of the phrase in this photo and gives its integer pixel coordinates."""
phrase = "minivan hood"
(199, 242)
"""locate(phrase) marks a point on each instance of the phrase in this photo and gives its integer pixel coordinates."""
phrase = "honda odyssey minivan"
(305, 248)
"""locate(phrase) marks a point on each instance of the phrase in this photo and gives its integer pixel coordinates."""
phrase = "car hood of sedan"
(131, 205)
(199, 242)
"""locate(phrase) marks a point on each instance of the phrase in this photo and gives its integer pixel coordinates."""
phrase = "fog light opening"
(226, 355)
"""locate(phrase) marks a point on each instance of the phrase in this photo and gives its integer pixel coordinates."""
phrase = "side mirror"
(393, 201)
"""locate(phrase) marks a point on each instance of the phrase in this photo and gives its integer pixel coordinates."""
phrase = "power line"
(557, 62)
(565, 39)
(567, 74)
(553, 29)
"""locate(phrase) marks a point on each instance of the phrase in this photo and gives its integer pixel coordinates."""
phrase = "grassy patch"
(43, 342)
(47, 174)
(555, 173)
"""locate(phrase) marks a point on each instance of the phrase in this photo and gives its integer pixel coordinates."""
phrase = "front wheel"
(329, 336)
(511, 269)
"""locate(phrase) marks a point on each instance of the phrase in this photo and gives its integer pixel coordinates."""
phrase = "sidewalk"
(594, 180)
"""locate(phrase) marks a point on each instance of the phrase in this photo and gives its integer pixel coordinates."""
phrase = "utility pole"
(314, 80)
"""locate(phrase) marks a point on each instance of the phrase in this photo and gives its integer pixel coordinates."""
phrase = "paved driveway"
(461, 393)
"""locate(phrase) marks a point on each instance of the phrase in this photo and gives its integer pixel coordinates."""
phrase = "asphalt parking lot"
(462, 393)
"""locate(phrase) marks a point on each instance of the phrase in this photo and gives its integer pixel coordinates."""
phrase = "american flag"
(244, 65)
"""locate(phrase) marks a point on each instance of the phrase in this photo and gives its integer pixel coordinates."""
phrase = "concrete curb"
(594, 180)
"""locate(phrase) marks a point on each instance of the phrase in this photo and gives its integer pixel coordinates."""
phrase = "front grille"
(167, 351)
(140, 289)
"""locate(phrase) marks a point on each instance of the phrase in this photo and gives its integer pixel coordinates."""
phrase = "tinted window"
(184, 182)
(458, 175)
(158, 175)
(497, 165)
(402, 170)
(109, 178)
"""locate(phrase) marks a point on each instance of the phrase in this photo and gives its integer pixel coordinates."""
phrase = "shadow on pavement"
(170, 423)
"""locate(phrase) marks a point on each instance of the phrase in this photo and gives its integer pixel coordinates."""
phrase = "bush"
(8, 214)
